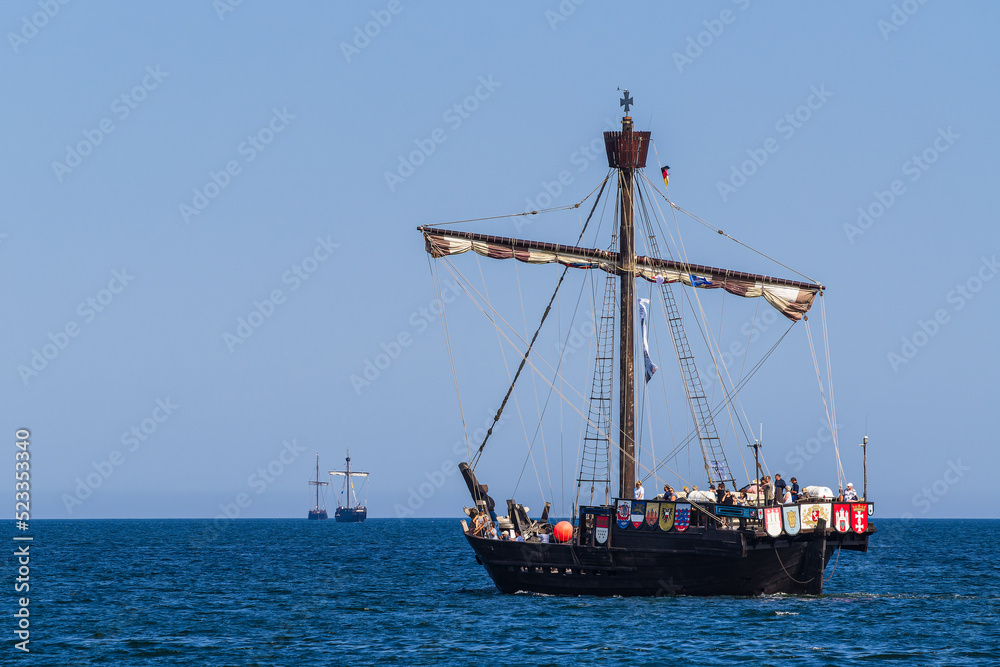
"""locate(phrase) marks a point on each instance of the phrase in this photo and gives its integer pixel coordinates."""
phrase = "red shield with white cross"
(859, 518)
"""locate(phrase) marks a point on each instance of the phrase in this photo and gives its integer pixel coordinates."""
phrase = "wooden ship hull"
(351, 514)
(701, 561)
(318, 515)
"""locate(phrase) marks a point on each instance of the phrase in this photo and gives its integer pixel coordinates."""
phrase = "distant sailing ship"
(354, 511)
(627, 545)
(317, 512)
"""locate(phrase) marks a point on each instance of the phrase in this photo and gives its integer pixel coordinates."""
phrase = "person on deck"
(683, 494)
(768, 491)
(795, 490)
(478, 522)
(850, 494)
(668, 493)
(779, 487)
(721, 493)
(640, 493)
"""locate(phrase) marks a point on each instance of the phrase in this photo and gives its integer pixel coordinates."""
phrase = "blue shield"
(791, 519)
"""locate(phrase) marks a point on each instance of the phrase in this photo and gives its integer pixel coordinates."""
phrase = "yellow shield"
(666, 516)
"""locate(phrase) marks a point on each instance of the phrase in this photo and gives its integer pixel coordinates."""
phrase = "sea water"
(409, 592)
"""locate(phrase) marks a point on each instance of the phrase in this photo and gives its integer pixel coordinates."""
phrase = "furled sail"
(791, 298)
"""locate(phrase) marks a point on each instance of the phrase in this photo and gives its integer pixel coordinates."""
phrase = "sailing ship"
(691, 544)
(353, 511)
(317, 513)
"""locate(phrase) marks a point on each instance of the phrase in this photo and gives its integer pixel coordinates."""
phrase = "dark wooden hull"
(319, 515)
(351, 514)
(699, 561)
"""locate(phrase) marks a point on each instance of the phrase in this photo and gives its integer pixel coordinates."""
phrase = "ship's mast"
(626, 239)
(626, 153)
(317, 483)
(348, 482)
(350, 487)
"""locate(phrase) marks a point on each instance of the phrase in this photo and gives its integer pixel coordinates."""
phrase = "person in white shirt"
(850, 494)
(639, 492)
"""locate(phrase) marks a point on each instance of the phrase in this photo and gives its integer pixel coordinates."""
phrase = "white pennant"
(650, 366)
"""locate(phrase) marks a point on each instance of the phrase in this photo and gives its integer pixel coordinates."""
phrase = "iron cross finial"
(626, 102)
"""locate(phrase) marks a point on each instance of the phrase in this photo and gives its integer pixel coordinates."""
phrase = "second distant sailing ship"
(349, 508)
(317, 512)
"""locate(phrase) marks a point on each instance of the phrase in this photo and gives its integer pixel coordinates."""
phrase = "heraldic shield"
(842, 518)
(601, 524)
(859, 517)
(624, 513)
(812, 513)
(682, 516)
(652, 514)
(638, 513)
(772, 521)
(791, 520)
(666, 516)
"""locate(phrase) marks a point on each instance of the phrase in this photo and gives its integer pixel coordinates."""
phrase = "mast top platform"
(626, 149)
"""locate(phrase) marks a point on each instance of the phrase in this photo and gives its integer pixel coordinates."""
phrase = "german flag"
(666, 176)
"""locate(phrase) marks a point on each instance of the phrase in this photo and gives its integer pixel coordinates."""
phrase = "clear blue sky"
(167, 165)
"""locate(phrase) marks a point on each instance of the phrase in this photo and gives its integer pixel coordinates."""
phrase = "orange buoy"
(563, 531)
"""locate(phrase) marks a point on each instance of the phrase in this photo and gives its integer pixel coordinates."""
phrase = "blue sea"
(409, 592)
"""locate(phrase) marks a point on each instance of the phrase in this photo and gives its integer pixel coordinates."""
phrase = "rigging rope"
(714, 228)
(466, 286)
(836, 560)
(534, 386)
(826, 407)
(524, 359)
(451, 357)
(703, 325)
(503, 355)
(786, 571)
(729, 396)
(829, 381)
(545, 406)
(567, 207)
